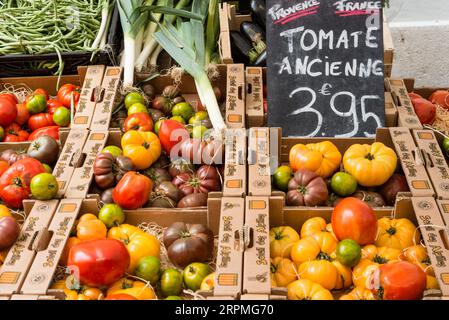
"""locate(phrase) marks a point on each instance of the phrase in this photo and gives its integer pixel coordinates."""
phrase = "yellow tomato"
(344, 276)
(139, 243)
(208, 283)
(138, 289)
(380, 255)
(4, 211)
(281, 241)
(396, 233)
(143, 148)
(90, 228)
(283, 272)
(432, 283)
(418, 255)
(322, 272)
(371, 165)
(304, 289)
(318, 245)
(323, 158)
(359, 293)
(363, 272)
(74, 293)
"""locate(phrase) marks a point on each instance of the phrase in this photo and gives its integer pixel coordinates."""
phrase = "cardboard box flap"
(434, 161)
(82, 176)
(256, 267)
(406, 114)
(88, 97)
(105, 104)
(435, 235)
(235, 101)
(254, 96)
(234, 180)
(69, 159)
(44, 266)
(228, 273)
(21, 255)
(412, 162)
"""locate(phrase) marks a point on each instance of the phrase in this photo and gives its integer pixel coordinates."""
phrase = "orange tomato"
(143, 148)
(65, 253)
(3, 166)
(90, 228)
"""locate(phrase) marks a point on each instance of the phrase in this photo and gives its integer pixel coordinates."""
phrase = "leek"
(187, 46)
(212, 31)
(133, 22)
(104, 23)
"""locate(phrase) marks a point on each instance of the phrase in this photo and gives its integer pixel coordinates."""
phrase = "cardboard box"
(401, 140)
(30, 266)
(406, 114)
(235, 177)
(255, 115)
(259, 176)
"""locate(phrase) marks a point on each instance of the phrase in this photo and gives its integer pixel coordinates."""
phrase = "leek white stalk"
(104, 37)
(155, 55)
(133, 22)
(104, 24)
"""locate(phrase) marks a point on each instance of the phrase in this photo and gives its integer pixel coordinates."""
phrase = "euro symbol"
(325, 89)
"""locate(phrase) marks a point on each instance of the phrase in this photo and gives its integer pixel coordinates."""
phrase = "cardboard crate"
(230, 20)
(31, 263)
(419, 156)
(422, 211)
(231, 82)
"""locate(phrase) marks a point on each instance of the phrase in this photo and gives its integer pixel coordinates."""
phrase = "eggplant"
(241, 48)
(259, 12)
(261, 60)
(252, 31)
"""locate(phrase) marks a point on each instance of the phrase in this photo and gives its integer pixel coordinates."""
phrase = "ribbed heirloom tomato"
(354, 219)
(143, 148)
(52, 131)
(65, 94)
(282, 240)
(133, 191)
(14, 133)
(90, 228)
(304, 289)
(140, 121)
(137, 289)
(40, 120)
(397, 233)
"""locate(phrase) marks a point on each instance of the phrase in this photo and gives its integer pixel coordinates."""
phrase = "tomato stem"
(391, 231)
(369, 156)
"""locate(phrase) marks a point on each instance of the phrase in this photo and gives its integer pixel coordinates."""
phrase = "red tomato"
(10, 96)
(15, 181)
(41, 91)
(354, 219)
(400, 280)
(171, 133)
(132, 191)
(52, 105)
(65, 93)
(40, 120)
(4, 165)
(140, 121)
(22, 114)
(99, 262)
(120, 296)
(8, 111)
(14, 133)
(52, 131)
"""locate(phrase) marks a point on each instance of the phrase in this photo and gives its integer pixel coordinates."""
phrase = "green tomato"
(348, 252)
(2, 133)
(149, 268)
(111, 215)
(171, 282)
(194, 274)
(48, 169)
(37, 104)
(132, 98)
(446, 146)
(198, 132)
(198, 117)
(179, 119)
(343, 184)
(157, 125)
(281, 177)
(173, 298)
(115, 151)
(184, 110)
(62, 117)
(136, 108)
(44, 186)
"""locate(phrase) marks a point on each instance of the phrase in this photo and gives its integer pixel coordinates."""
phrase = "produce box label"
(406, 114)
(411, 162)
(228, 273)
(434, 230)
(82, 175)
(21, 255)
(88, 97)
(256, 271)
(254, 97)
(434, 160)
(259, 176)
(325, 71)
(69, 159)
(235, 103)
(104, 107)
(44, 266)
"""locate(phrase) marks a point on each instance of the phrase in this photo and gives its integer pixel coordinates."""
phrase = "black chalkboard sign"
(325, 67)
